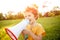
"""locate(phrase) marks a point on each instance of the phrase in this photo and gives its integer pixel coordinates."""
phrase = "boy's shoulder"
(38, 24)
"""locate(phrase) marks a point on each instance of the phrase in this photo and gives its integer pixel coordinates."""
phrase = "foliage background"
(50, 24)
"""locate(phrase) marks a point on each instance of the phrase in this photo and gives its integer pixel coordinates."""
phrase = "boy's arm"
(35, 37)
(40, 33)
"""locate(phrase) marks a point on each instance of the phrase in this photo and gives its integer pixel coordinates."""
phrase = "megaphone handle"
(26, 37)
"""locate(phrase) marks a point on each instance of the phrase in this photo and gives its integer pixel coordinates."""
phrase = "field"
(50, 24)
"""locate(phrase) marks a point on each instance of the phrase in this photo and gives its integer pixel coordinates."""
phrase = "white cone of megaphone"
(15, 31)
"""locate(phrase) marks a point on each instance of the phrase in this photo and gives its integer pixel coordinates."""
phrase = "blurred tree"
(9, 15)
(40, 15)
(50, 14)
(46, 14)
(1, 16)
(20, 15)
(56, 8)
(57, 12)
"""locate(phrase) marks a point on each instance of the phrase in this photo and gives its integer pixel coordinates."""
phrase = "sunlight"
(20, 5)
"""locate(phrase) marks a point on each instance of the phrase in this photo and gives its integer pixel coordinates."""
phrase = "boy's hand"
(26, 31)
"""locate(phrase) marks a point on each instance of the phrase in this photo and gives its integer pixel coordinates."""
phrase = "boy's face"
(29, 16)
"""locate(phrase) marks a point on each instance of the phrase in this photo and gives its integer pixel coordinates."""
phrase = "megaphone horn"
(15, 31)
(12, 36)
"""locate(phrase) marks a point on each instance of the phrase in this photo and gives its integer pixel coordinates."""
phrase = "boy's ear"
(36, 17)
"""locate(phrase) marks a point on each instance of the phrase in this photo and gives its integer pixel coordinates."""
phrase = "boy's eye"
(25, 16)
(29, 15)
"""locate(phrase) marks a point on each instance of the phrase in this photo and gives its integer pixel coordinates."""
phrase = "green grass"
(50, 24)
(4, 24)
(52, 27)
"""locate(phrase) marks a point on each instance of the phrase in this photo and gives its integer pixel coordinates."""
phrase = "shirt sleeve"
(40, 30)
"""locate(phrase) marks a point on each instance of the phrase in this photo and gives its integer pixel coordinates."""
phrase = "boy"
(34, 30)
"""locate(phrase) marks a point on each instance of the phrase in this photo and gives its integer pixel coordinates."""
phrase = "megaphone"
(15, 31)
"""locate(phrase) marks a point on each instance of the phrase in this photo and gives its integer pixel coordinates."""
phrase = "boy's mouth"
(30, 20)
